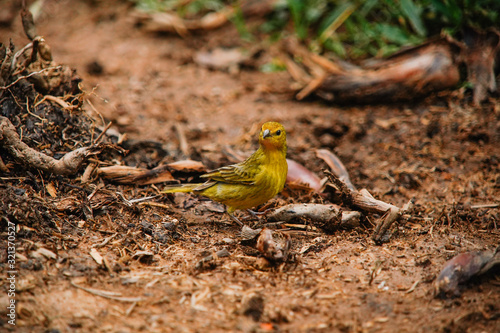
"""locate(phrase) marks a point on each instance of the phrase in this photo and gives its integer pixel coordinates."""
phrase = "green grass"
(351, 29)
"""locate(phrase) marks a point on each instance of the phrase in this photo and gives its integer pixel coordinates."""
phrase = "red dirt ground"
(441, 151)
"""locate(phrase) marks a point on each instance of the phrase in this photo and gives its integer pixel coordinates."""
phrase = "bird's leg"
(235, 219)
(254, 213)
(257, 214)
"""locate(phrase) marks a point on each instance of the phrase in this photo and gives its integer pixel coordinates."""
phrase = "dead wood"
(365, 201)
(69, 164)
(139, 176)
(427, 68)
(122, 174)
(275, 246)
(414, 72)
(328, 217)
(463, 267)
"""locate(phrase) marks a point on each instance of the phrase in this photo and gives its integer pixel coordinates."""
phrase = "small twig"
(183, 144)
(94, 108)
(108, 294)
(124, 200)
(57, 100)
(88, 172)
(18, 54)
(302, 232)
(138, 200)
(412, 288)
(106, 241)
(103, 132)
(485, 206)
(130, 309)
(27, 76)
(214, 256)
(312, 86)
(155, 204)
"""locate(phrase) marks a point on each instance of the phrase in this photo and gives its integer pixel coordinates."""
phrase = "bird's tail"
(184, 188)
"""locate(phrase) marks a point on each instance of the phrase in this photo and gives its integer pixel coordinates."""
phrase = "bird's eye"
(278, 132)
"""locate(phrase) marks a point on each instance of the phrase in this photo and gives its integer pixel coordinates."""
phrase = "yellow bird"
(251, 182)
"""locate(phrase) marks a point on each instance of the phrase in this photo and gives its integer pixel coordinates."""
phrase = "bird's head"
(273, 136)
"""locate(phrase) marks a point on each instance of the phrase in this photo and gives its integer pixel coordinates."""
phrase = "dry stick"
(68, 164)
(182, 139)
(18, 54)
(130, 309)
(492, 205)
(106, 240)
(103, 132)
(313, 85)
(326, 216)
(295, 71)
(318, 73)
(364, 200)
(109, 294)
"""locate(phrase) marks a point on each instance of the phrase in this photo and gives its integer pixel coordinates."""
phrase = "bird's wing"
(236, 174)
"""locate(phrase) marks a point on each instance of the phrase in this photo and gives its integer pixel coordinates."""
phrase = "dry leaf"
(299, 174)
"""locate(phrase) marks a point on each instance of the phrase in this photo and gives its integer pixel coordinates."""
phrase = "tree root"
(67, 165)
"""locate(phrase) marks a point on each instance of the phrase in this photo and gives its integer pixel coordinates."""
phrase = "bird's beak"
(266, 134)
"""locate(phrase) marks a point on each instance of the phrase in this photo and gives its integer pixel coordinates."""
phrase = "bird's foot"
(257, 214)
(235, 219)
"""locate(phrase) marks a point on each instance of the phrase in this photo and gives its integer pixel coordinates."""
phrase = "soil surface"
(441, 151)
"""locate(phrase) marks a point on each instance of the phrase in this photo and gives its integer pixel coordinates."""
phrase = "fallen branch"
(364, 200)
(67, 165)
(430, 67)
(328, 217)
(139, 176)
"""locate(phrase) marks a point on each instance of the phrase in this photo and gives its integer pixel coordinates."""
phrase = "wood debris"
(462, 268)
(132, 175)
(274, 245)
(411, 73)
